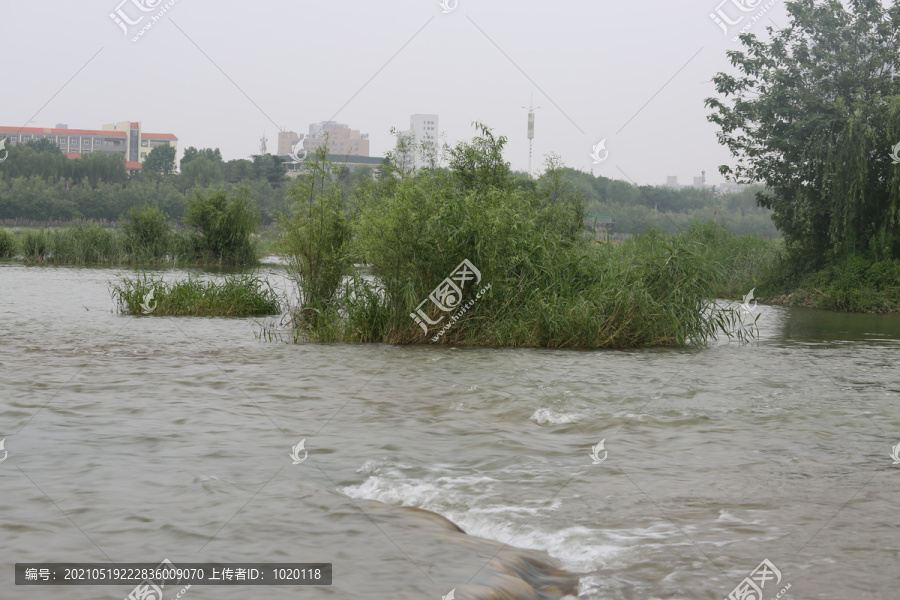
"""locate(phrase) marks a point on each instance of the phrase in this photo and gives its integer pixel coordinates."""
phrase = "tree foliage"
(42, 158)
(191, 153)
(160, 160)
(814, 114)
(39, 182)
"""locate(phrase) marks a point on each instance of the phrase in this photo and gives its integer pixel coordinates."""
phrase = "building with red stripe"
(124, 137)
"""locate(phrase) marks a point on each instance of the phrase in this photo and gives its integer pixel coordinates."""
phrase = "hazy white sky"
(222, 74)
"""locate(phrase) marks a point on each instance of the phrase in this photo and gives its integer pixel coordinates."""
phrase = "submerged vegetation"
(529, 277)
(230, 296)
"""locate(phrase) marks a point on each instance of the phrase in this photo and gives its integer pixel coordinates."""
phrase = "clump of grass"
(91, 244)
(34, 244)
(86, 244)
(8, 245)
(77, 244)
(230, 296)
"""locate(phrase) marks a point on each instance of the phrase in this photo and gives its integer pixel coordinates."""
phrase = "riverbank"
(851, 284)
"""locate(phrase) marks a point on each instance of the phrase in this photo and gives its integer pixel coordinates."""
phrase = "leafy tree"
(564, 204)
(479, 164)
(813, 114)
(269, 167)
(202, 172)
(161, 160)
(192, 153)
(238, 170)
(43, 145)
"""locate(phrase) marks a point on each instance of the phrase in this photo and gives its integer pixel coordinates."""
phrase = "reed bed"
(229, 296)
(94, 245)
(652, 290)
(8, 245)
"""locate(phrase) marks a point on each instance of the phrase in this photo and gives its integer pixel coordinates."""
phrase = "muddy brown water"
(137, 439)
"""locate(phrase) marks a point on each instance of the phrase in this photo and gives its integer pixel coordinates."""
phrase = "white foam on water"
(726, 516)
(576, 546)
(466, 500)
(544, 416)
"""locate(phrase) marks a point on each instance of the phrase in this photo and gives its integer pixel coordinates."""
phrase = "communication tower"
(531, 108)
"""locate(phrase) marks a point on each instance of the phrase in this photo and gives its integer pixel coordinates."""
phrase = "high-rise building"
(672, 181)
(422, 138)
(125, 138)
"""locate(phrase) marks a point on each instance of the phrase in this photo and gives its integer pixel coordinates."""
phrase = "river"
(134, 439)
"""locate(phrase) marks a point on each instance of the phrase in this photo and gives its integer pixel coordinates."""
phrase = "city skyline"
(593, 76)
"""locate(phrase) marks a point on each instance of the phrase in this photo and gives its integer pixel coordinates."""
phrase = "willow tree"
(814, 114)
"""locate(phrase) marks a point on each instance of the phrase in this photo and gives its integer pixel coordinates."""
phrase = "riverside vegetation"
(817, 120)
(549, 285)
(220, 229)
(232, 296)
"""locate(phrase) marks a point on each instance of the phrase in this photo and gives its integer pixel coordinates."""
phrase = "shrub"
(316, 235)
(224, 224)
(147, 232)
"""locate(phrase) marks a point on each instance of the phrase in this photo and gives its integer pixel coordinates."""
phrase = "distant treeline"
(635, 209)
(38, 182)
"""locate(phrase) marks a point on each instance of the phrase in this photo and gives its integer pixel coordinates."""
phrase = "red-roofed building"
(140, 144)
(123, 138)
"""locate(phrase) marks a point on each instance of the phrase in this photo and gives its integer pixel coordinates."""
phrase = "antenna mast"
(531, 108)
